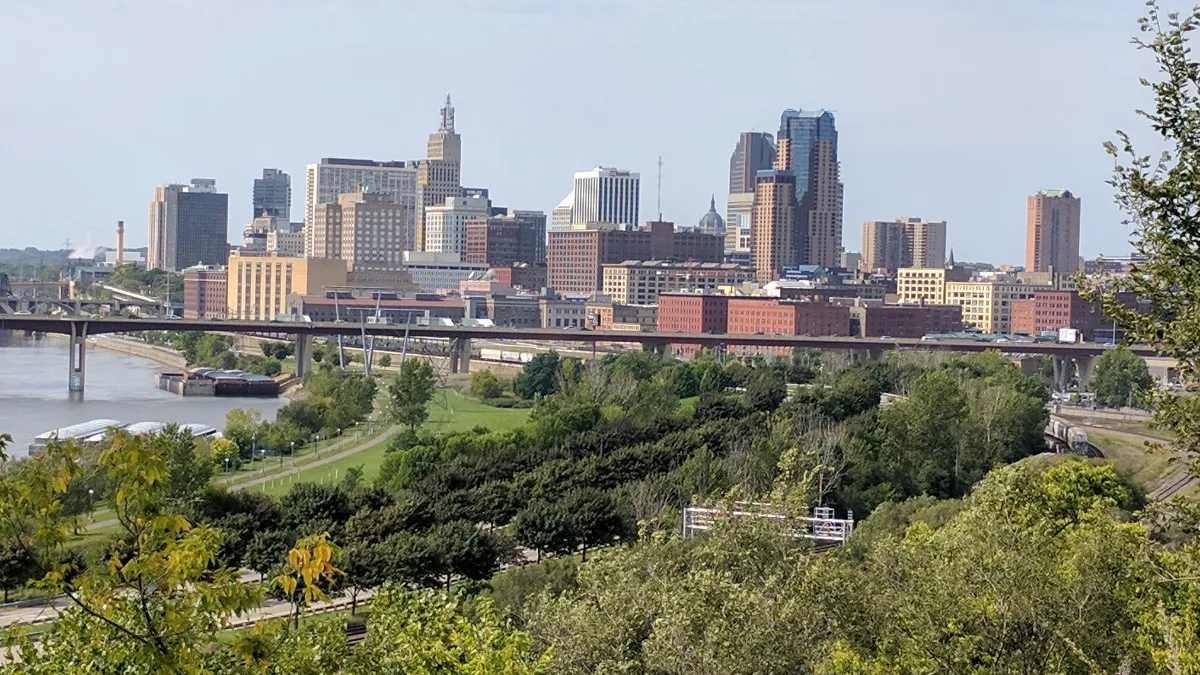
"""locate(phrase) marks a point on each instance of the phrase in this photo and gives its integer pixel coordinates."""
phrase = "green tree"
(189, 467)
(241, 427)
(1157, 196)
(313, 507)
(410, 393)
(485, 385)
(765, 389)
(225, 454)
(595, 519)
(428, 632)
(539, 377)
(1120, 378)
(544, 527)
(385, 361)
(267, 550)
(17, 566)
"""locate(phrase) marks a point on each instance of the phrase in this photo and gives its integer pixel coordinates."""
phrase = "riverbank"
(120, 345)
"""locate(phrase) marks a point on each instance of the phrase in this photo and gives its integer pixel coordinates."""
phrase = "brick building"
(205, 292)
(772, 316)
(906, 321)
(518, 236)
(604, 315)
(522, 275)
(1051, 310)
(692, 313)
(575, 256)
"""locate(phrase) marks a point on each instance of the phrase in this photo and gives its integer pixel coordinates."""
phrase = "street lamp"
(226, 465)
(92, 504)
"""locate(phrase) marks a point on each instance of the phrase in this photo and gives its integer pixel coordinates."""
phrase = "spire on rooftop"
(447, 116)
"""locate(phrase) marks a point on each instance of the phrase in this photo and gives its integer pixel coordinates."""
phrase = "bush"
(485, 385)
(506, 402)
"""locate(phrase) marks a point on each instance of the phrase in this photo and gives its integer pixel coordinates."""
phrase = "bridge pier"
(460, 355)
(304, 343)
(78, 358)
(1083, 368)
(659, 348)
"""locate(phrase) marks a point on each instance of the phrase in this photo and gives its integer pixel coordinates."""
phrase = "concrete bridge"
(79, 328)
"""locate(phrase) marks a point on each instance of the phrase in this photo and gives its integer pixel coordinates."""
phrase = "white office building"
(433, 272)
(446, 225)
(606, 195)
(393, 181)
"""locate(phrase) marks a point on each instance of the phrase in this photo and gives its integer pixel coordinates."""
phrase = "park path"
(324, 460)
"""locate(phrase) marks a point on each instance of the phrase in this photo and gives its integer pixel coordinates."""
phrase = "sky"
(946, 110)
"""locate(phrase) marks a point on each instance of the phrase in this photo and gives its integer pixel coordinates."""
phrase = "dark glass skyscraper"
(273, 194)
(755, 152)
(814, 139)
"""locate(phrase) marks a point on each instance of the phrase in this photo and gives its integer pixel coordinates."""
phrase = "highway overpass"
(79, 328)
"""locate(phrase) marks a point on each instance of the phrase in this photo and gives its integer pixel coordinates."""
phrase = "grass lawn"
(450, 411)
(1145, 465)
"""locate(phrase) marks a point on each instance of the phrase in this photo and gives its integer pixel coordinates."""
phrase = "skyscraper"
(188, 225)
(903, 242)
(755, 152)
(446, 223)
(1052, 232)
(606, 195)
(739, 212)
(775, 224)
(814, 139)
(439, 175)
(332, 177)
(924, 242)
(883, 246)
(273, 194)
(365, 229)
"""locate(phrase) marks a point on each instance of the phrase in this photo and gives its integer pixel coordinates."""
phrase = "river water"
(34, 397)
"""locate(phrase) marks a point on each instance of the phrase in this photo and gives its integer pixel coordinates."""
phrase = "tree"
(1120, 378)
(154, 607)
(225, 454)
(267, 550)
(312, 507)
(539, 377)
(410, 392)
(438, 632)
(310, 572)
(189, 467)
(765, 389)
(241, 425)
(17, 566)
(485, 385)
(1158, 198)
(385, 361)
(466, 551)
(365, 567)
(544, 526)
(595, 519)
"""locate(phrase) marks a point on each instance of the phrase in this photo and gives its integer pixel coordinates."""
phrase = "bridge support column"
(1062, 373)
(304, 343)
(455, 355)
(464, 355)
(1083, 367)
(659, 348)
(77, 358)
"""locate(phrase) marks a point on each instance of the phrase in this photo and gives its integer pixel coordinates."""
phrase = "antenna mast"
(658, 201)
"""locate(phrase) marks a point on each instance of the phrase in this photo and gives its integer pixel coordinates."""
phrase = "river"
(34, 398)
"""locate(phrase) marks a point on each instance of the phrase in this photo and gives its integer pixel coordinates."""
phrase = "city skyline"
(956, 125)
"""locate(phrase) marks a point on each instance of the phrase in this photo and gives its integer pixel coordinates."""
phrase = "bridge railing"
(822, 526)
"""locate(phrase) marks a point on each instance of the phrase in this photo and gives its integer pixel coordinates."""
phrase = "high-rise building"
(988, 305)
(883, 246)
(774, 221)
(639, 282)
(755, 152)
(712, 222)
(188, 226)
(560, 217)
(814, 161)
(606, 195)
(1052, 232)
(924, 242)
(273, 194)
(332, 177)
(738, 215)
(365, 229)
(439, 175)
(506, 239)
(575, 256)
(446, 223)
(259, 283)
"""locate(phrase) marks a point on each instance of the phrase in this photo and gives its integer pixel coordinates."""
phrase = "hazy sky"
(947, 109)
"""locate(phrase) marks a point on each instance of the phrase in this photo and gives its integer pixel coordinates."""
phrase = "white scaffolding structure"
(821, 527)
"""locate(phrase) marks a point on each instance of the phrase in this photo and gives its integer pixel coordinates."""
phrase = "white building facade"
(394, 181)
(446, 225)
(606, 195)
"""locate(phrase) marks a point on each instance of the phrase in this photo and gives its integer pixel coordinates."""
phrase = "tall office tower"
(814, 139)
(273, 194)
(439, 175)
(775, 223)
(188, 225)
(738, 212)
(712, 222)
(924, 242)
(1052, 232)
(884, 246)
(606, 195)
(560, 217)
(365, 229)
(446, 224)
(755, 152)
(332, 177)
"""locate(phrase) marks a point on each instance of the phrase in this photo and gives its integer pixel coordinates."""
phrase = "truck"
(1068, 335)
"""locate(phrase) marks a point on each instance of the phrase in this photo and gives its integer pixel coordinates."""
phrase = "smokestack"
(120, 242)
